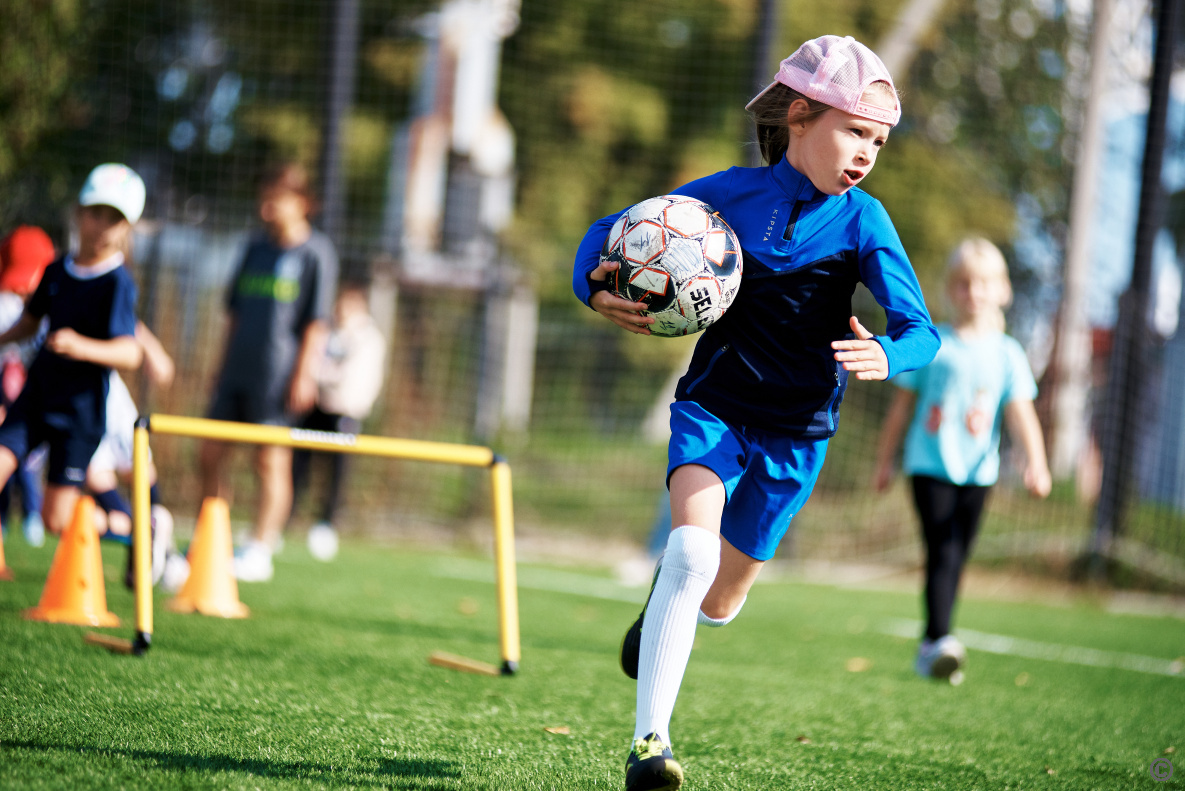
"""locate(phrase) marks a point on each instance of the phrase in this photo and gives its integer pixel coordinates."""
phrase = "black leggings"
(950, 519)
(301, 460)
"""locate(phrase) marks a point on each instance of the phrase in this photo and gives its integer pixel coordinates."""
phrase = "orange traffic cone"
(5, 571)
(211, 588)
(74, 591)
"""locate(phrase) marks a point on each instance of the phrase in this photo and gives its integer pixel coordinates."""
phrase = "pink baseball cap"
(836, 71)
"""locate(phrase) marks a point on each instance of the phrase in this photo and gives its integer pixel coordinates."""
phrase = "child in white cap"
(90, 300)
(760, 400)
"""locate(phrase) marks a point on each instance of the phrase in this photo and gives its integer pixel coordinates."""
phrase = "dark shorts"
(767, 477)
(243, 405)
(70, 449)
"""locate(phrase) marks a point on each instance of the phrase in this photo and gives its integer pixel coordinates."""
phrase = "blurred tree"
(40, 42)
(280, 52)
(76, 89)
(613, 102)
(989, 90)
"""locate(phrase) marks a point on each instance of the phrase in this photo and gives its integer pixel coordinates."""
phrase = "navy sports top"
(768, 362)
(96, 303)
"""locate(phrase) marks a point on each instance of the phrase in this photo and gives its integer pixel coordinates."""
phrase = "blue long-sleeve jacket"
(768, 363)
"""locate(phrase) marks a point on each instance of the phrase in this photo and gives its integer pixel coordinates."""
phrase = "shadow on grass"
(275, 637)
(378, 772)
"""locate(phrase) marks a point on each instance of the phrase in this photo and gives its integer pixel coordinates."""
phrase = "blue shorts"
(70, 446)
(767, 476)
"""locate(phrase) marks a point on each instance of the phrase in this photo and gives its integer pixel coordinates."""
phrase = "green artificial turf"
(326, 685)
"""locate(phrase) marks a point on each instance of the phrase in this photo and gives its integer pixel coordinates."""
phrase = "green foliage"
(935, 199)
(40, 42)
(36, 39)
(608, 112)
(613, 102)
(994, 88)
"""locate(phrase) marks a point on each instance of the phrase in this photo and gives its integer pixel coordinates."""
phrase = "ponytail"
(771, 116)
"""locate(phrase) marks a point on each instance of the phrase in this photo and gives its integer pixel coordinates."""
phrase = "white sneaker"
(253, 563)
(942, 659)
(176, 572)
(323, 542)
(34, 530)
(162, 539)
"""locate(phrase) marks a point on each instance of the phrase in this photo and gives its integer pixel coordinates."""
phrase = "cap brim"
(102, 200)
(756, 98)
(115, 202)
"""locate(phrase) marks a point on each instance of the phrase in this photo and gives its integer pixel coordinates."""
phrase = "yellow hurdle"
(331, 442)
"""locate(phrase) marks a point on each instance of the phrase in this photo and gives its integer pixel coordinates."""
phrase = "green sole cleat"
(652, 767)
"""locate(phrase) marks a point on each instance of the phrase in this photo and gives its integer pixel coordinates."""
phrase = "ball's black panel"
(615, 278)
(635, 286)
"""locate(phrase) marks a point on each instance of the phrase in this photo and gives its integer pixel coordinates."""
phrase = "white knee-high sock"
(688, 569)
(718, 622)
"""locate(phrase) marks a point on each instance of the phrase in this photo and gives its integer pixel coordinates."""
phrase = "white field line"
(603, 588)
(544, 580)
(1051, 652)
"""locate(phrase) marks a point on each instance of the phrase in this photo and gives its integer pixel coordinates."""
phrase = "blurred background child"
(349, 380)
(280, 300)
(24, 255)
(90, 299)
(957, 403)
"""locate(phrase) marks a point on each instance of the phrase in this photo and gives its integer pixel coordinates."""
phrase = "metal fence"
(464, 147)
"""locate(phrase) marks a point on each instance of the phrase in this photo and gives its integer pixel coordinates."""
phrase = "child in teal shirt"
(979, 380)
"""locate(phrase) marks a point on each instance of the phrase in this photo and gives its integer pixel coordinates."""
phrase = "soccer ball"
(678, 256)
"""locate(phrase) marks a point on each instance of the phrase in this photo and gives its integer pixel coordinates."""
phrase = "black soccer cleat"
(652, 767)
(631, 643)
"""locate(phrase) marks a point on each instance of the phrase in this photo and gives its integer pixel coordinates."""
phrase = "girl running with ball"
(753, 414)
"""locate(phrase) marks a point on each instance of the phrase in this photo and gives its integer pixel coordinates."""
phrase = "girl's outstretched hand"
(1038, 480)
(864, 356)
(620, 311)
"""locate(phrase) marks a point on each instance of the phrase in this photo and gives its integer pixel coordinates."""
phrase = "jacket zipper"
(797, 210)
(708, 369)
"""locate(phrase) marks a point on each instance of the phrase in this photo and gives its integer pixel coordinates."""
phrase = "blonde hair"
(978, 254)
(883, 90)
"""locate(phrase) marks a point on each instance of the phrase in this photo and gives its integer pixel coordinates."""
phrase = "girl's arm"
(910, 340)
(25, 326)
(1024, 426)
(896, 422)
(122, 352)
(157, 362)
(302, 390)
(587, 270)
